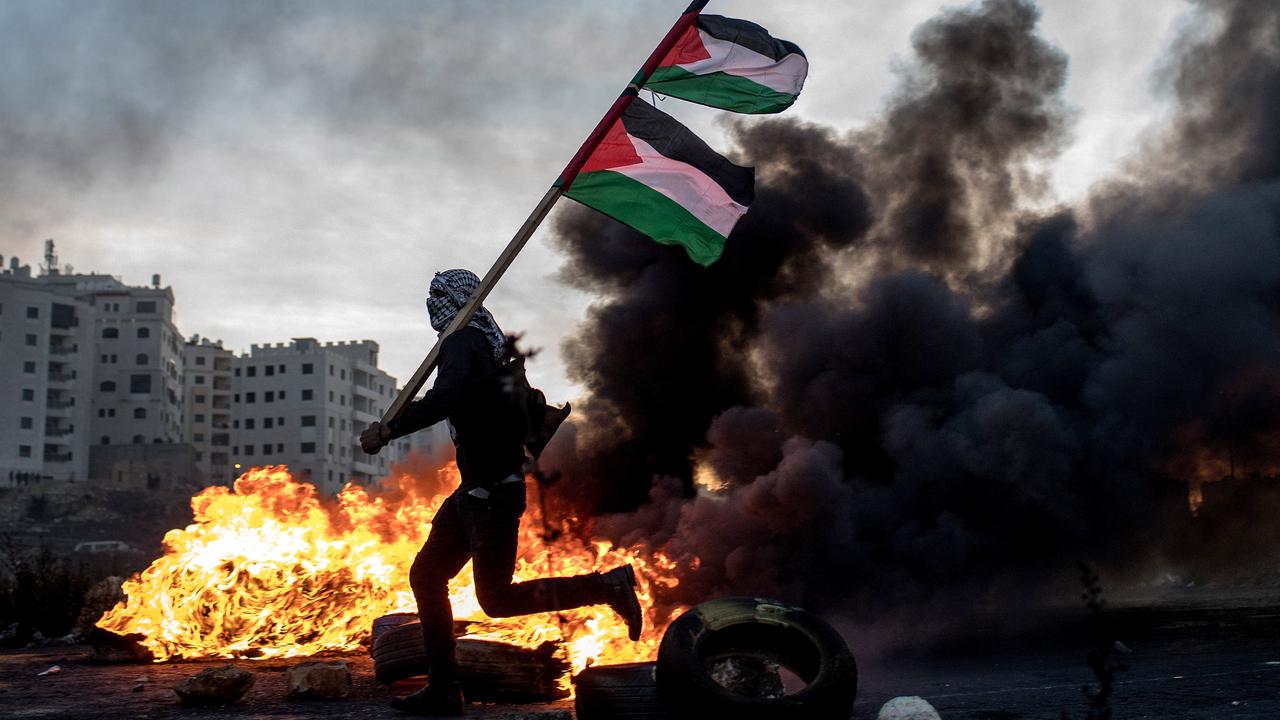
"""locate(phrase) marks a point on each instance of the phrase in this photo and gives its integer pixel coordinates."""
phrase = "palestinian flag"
(654, 174)
(733, 65)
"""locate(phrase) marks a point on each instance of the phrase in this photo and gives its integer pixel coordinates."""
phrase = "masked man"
(481, 519)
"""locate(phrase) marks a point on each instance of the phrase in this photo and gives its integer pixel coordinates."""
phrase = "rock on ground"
(319, 679)
(215, 686)
(908, 708)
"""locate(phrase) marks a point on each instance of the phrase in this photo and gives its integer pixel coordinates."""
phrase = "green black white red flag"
(654, 174)
(733, 65)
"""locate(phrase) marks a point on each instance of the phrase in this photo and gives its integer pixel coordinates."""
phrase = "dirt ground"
(84, 690)
(1188, 661)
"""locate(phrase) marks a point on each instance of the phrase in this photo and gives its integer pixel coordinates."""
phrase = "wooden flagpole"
(561, 185)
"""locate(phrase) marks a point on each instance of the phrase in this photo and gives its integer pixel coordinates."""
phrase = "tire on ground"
(790, 636)
(617, 692)
(398, 653)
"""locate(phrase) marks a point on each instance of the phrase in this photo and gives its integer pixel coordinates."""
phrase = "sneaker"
(620, 594)
(432, 701)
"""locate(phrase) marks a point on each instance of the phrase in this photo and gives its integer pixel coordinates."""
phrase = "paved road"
(1185, 662)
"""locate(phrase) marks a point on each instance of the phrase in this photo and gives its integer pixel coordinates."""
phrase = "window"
(331, 423)
(105, 440)
(24, 451)
(308, 368)
(141, 360)
(102, 412)
(139, 413)
(199, 379)
(343, 398)
(281, 394)
(342, 374)
(199, 359)
(33, 312)
(250, 397)
(271, 370)
(138, 439)
(110, 333)
(199, 417)
(308, 421)
(144, 332)
(307, 395)
(281, 368)
(237, 372)
(308, 448)
(140, 384)
(28, 394)
(280, 447)
(31, 340)
(252, 371)
(111, 412)
(266, 449)
(26, 423)
(268, 396)
(29, 368)
(200, 398)
(114, 358)
(279, 422)
(248, 449)
(235, 424)
(103, 359)
(107, 386)
(248, 424)
(330, 396)
(146, 306)
(237, 397)
(267, 423)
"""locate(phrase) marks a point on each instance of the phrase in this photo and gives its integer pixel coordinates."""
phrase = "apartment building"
(97, 382)
(207, 420)
(303, 403)
(46, 371)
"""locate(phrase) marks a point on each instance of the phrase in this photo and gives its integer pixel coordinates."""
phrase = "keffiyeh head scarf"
(448, 292)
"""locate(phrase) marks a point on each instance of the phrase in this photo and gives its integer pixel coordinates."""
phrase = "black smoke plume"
(907, 385)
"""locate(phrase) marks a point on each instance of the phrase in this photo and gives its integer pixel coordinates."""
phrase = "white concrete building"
(304, 403)
(207, 420)
(46, 371)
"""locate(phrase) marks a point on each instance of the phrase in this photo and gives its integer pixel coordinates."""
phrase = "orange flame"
(270, 570)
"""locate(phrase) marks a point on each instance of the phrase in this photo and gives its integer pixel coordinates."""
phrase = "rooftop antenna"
(50, 266)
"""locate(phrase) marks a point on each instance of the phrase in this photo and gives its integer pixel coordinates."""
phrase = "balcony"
(54, 432)
(57, 457)
(61, 377)
(61, 404)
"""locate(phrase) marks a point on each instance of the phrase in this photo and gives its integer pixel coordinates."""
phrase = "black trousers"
(485, 531)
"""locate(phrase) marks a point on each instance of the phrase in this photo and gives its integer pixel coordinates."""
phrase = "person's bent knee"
(497, 602)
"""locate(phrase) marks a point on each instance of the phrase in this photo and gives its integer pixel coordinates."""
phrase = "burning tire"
(797, 640)
(622, 692)
(398, 652)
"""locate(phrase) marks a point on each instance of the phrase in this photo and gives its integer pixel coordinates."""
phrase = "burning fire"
(270, 570)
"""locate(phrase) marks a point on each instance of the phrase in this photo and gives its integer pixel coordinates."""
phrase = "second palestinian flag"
(654, 174)
(732, 65)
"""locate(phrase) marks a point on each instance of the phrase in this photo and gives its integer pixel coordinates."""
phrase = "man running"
(480, 521)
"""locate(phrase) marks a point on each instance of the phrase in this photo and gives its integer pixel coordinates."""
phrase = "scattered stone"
(215, 686)
(97, 601)
(319, 679)
(908, 708)
(109, 647)
(748, 675)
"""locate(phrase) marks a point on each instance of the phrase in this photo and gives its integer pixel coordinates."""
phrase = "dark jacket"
(488, 429)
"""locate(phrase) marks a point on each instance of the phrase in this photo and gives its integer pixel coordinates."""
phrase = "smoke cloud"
(905, 384)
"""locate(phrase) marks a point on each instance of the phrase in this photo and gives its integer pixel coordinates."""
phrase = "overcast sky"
(301, 169)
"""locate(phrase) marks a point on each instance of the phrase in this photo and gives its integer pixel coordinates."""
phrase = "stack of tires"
(683, 684)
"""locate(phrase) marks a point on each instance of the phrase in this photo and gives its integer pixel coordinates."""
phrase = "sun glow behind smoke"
(269, 569)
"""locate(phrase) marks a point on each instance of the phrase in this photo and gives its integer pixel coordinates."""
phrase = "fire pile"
(269, 569)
